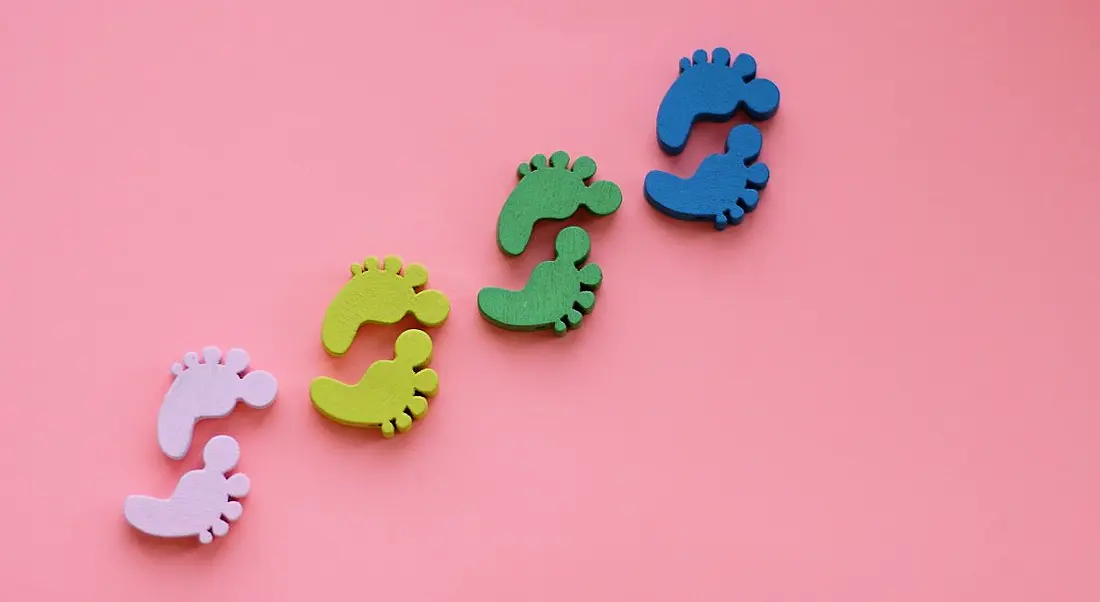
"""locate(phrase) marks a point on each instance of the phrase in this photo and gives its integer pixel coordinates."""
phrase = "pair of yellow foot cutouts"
(392, 392)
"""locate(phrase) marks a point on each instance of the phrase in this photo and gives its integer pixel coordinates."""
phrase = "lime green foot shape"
(380, 293)
(551, 191)
(557, 294)
(391, 393)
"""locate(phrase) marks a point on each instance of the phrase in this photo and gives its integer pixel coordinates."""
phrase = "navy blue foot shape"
(712, 91)
(723, 188)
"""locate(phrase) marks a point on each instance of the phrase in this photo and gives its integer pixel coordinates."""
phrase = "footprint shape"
(557, 295)
(724, 187)
(380, 294)
(712, 91)
(552, 190)
(391, 392)
(201, 505)
(208, 389)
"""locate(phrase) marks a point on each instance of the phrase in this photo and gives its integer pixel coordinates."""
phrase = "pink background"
(876, 389)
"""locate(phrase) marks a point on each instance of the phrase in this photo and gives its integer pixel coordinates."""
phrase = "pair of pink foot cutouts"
(201, 505)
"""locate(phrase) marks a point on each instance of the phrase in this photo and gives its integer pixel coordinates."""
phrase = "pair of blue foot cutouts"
(727, 185)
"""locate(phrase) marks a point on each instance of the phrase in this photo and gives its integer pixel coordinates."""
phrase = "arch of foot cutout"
(380, 294)
(391, 393)
(208, 389)
(552, 190)
(201, 505)
(723, 188)
(712, 91)
(557, 295)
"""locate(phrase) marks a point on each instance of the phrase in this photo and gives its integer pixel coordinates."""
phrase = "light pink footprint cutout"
(200, 500)
(208, 390)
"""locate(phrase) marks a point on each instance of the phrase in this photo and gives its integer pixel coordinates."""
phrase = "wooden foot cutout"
(208, 389)
(201, 499)
(380, 294)
(552, 190)
(557, 295)
(391, 392)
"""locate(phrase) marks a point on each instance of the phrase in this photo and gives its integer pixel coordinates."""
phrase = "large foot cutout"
(552, 190)
(556, 296)
(208, 389)
(200, 505)
(390, 394)
(723, 188)
(380, 294)
(712, 91)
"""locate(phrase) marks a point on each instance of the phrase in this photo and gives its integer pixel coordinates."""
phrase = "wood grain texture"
(391, 392)
(380, 294)
(557, 295)
(552, 190)
(208, 389)
(201, 505)
(723, 189)
(712, 90)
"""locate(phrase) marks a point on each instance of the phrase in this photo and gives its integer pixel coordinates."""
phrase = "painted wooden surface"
(722, 190)
(208, 389)
(557, 295)
(379, 293)
(391, 393)
(552, 190)
(200, 506)
(712, 90)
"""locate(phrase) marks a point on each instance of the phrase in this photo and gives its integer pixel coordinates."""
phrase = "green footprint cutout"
(557, 295)
(552, 190)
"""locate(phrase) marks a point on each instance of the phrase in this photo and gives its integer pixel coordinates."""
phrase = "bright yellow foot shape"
(380, 294)
(391, 392)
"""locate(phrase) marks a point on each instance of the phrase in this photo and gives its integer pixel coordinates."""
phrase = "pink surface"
(877, 388)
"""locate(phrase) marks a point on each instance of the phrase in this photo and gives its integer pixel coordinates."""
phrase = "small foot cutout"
(552, 190)
(712, 91)
(201, 499)
(557, 295)
(208, 389)
(723, 188)
(391, 392)
(380, 294)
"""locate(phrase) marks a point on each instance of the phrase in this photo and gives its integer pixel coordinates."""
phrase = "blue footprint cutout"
(723, 188)
(712, 91)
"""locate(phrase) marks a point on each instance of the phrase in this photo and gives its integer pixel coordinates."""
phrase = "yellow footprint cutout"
(380, 294)
(391, 392)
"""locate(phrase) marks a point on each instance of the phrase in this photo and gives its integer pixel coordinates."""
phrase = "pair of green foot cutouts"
(559, 292)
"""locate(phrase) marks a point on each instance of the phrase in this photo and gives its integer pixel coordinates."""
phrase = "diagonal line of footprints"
(557, 296)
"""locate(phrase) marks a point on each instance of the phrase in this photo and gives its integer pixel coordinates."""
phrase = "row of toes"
(415, 274)
(391, 263)
(584, 167)
(232, 511)
(416, 408)
(236, 360)
(720, 56)
(744, 64)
